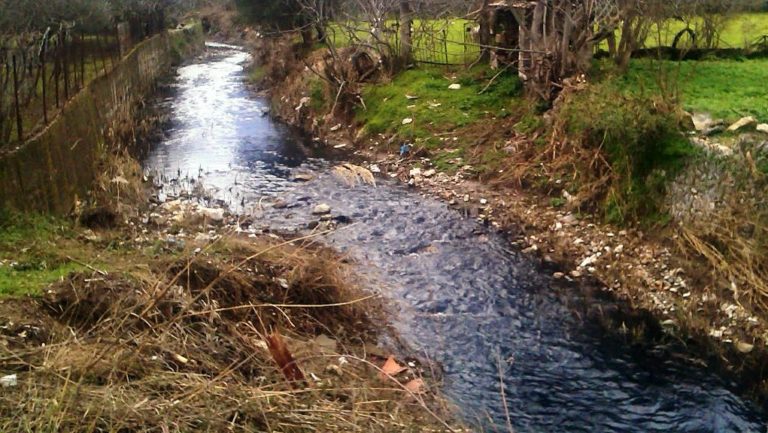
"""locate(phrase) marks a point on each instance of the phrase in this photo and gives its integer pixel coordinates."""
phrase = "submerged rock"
(321, 209)
(744, 347)
(216, 215)
(701, 121)
(303, 177)
(9, 380)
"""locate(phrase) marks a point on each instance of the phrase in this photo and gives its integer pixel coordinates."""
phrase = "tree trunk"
(612, 44)
(406, 20)
(626, 45)
(565, 42)
(484, 32)
(321, 33)
(307, 36)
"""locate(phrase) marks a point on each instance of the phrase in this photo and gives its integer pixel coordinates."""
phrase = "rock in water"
(216, 215)
(321, 209)
(701, 121)
(9, 380)
(303, 177)
(744, 347)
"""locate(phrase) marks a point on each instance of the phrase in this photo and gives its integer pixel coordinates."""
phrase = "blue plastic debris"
(405, 148)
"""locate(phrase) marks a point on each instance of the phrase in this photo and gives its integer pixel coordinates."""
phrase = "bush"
(640, 143)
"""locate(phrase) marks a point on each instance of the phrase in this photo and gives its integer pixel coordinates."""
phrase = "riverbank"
(469, 158)
(182, 317)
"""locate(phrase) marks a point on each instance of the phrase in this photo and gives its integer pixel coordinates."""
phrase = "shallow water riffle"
(461, 297)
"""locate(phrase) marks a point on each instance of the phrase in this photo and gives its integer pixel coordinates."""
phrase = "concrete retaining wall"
(51, 170)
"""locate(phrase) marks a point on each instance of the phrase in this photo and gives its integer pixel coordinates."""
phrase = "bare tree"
(18, 16)
(558, 37)
(636, 20)
(484, 30)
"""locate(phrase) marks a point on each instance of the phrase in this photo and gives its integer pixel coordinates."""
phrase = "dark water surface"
(464, 299)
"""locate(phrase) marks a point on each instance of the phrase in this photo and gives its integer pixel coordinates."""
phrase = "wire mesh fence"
(433, 41)
(445, 42)
(39, 73)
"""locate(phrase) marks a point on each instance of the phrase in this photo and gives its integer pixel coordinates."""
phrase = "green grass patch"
(447, 123)
(256, 73)
(30, 278)
(29, 254)
(317, 98)
(436, 109)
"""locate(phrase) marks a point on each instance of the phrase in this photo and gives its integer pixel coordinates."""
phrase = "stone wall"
(51, 170)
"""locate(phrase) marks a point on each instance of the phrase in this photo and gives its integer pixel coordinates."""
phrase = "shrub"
(639, 142)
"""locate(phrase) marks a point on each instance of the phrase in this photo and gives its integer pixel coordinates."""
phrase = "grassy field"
(438, 41)
(448, 40)
(740, 31)
(727, 89)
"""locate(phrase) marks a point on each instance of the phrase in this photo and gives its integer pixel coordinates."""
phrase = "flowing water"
(463, 298)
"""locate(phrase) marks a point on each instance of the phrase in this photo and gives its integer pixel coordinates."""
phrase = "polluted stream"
(465, 300)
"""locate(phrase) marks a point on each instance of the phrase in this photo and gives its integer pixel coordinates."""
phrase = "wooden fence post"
(42, 73)
(19, 126)
(82, 61)
(445, 46)
(57, 70)
(66, 64)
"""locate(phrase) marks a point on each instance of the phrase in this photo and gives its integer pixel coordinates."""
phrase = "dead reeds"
(191, 349)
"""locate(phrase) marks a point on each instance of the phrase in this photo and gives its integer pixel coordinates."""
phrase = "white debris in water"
(321, 209)
(9, 381)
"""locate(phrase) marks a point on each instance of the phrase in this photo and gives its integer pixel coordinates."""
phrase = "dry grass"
(734, 245)
(183, 348)
(119, 185)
